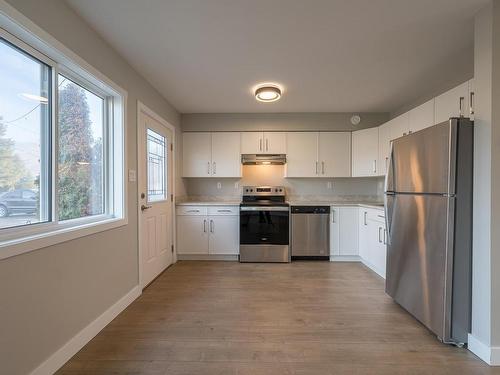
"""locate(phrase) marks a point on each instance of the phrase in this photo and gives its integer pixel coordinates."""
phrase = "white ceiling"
(330, 55)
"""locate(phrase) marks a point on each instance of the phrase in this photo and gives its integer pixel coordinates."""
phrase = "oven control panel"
(263, 190)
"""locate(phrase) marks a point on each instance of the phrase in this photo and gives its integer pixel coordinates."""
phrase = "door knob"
(144, 207)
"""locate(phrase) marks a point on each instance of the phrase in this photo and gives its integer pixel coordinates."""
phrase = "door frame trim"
(143, 109)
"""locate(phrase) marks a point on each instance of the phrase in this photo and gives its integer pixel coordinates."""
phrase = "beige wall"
(49, 295)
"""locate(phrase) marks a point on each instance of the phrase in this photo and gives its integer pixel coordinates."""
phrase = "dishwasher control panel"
(310, 209)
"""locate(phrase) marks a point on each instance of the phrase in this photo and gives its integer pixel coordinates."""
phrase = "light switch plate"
(132, 175)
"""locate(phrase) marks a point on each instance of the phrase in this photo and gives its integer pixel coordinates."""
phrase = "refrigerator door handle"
(388, 176)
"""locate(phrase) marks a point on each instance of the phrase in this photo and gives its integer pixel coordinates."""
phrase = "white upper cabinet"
(196, 154)
(334, 154)
(302, 154)
(421, 117)
(400, 126)
(365, 152)
(453, 103)
(471, 99)
(274, 143)
(226, 155)
(263, 143)
(324, 154)
(252, 142)
(384, 146)
(211, 155)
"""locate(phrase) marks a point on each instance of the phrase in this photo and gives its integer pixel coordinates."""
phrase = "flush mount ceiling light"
(267, 93)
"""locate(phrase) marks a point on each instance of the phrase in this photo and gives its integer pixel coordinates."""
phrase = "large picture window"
(61, 145)
(80, 155)
(25, 107)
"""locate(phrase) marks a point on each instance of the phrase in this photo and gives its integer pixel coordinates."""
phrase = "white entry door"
(155, 189)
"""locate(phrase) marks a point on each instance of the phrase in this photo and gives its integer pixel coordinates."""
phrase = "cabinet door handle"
(386, 162)
(365, 223)
(204, 226)
(317, 167)
(267, 144)
(385, 238)
(223, 210)
(260, 144)
(375, 166)
(333, 216)
(193, 210)
(471, 104)
(208, 167)
(211, 226)
(322, 167)
(461, 105)
(214, 167)
(379, 237)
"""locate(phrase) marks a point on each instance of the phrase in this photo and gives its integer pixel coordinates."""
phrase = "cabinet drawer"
(192, 210)
(372, 214)
(223, 210)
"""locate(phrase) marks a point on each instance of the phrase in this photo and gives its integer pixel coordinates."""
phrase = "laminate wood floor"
(270, 319)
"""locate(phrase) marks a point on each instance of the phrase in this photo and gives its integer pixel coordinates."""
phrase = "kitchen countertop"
(376, 205)
(209, 203)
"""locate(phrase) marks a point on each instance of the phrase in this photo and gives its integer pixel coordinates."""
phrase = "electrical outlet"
(329, 185)
(132, 175)
(219, 185)
(236, 185)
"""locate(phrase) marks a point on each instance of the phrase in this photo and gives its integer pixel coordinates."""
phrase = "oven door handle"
(268, 208)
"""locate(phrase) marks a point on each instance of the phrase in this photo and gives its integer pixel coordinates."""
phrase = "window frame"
(21, 239)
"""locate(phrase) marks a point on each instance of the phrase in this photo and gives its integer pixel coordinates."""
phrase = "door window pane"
(157, 189)
(25, 103)
(80, 170)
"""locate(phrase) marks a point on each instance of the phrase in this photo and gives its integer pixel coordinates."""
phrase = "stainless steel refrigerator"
(428, 201)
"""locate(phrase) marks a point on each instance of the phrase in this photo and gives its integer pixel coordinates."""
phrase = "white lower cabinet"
(223, 237)
(192, 234)
(344, 232)
(373, 239)
(212, 231)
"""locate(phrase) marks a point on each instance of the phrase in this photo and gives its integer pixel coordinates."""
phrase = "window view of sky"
(25, 103)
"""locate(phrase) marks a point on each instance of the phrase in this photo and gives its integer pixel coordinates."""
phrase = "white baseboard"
(345, 258)
(227, 257)
(373, 268)
(489, 354)
(68, 350)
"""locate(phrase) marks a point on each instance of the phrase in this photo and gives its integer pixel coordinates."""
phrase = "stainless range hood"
(263, 159)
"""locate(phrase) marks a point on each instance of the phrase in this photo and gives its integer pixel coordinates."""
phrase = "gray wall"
(48, 296)
(481, 296)
(495, 182)
(278, 121)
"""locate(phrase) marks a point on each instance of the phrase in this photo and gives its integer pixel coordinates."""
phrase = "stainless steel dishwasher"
(310, 230)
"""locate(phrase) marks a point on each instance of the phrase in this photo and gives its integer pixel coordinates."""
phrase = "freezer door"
(419, 259)
(421, 161)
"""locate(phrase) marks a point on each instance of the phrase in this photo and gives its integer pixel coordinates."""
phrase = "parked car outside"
(20, 201)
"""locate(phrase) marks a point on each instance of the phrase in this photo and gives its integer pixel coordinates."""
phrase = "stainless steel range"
(264, 225)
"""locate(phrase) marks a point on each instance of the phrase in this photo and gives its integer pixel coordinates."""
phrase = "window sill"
(38, 241)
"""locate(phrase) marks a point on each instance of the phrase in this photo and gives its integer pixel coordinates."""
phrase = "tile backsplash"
(369, 188)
